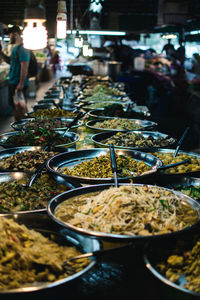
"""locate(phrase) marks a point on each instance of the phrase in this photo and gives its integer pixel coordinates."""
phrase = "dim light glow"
(98, 32)
(169, 36)
(61, 32)
(35, 35)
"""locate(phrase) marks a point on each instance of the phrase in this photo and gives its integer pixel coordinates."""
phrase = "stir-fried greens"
(26, 160)
(15, 197)
(40, 137)
(131, 139)
(100, 167)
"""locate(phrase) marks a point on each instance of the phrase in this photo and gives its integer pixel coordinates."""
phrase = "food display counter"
(74, 196)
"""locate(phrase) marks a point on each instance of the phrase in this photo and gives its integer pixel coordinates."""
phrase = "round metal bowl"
(100, 114)
(10, 152)
(44, 225)
(144, 125)
(20, 176)
(72, 135)
(69, 159)
(99, 137)
(20, 125)
(159, 253)
(92, 105)
(42, 106)
(173, 175)
(53, 95)
(67, 196)
(55, 102)
(71, 110)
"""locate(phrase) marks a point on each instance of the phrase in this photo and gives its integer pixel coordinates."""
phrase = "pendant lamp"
(34, 33)
(61, 20)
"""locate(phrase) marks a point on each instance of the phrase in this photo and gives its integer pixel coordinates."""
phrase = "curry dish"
(29, 258)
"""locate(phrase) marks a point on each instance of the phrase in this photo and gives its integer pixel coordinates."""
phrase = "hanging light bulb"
(85, 48)
(90, 52)
(78, 40)
(34, 33)
(61, 19)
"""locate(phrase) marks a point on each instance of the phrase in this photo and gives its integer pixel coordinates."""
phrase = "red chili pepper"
(14, 238)
(42, 139)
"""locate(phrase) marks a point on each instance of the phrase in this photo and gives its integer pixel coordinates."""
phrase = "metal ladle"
(180, 141)
(114, 164)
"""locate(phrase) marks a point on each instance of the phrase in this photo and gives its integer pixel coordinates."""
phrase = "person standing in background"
(19, 62)
(180, 52)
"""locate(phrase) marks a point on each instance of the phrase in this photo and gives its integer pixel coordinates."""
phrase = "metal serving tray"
(19, 125)
(56, 201)
(43, 224)
(74, 137)
(76, 157)
(161, 176)
(16, 176)
(98, 137)
(157, 253)
(145, 125)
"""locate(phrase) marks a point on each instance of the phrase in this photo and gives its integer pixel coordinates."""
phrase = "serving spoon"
(39, 170)
(165, 167)
(97, 254)
(180, 141)
(114, 164)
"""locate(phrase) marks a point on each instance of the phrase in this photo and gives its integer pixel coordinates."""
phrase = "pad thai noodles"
(128, 210)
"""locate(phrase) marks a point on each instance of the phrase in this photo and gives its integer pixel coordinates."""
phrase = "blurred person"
(196, 63)
(19, 62)
(55, 60)
(169, 50)
(180, 52)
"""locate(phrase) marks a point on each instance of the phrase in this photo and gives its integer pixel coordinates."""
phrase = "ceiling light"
(61, 20)
(34, 33)
(169, 36)
(98, 32)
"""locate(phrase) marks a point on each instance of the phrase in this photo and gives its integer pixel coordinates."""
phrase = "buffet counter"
(126, 267)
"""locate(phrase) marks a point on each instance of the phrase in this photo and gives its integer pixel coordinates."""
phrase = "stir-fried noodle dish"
(28, 258)
(128, 210)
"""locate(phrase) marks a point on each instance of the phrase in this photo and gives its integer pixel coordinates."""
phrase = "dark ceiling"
(130, 15)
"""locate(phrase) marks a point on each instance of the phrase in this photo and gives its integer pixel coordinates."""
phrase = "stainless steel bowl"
(69, 159)
(72, 135)
(56, 201)
(99, 137)
(20, 125)
(144, 125)
(43, 224)
(18, 177)
(173, 175)
(155, 254)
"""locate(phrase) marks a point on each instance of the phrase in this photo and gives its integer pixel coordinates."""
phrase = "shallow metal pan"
(43, 224)
(90, 107)
(19, 125)
(74, 137)
(99, 137)
(144, 125)
(56, 201)
(154, 254)
(12, 151)
(19, 176)
(170, 175)
(100, 115)
(76, 157)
